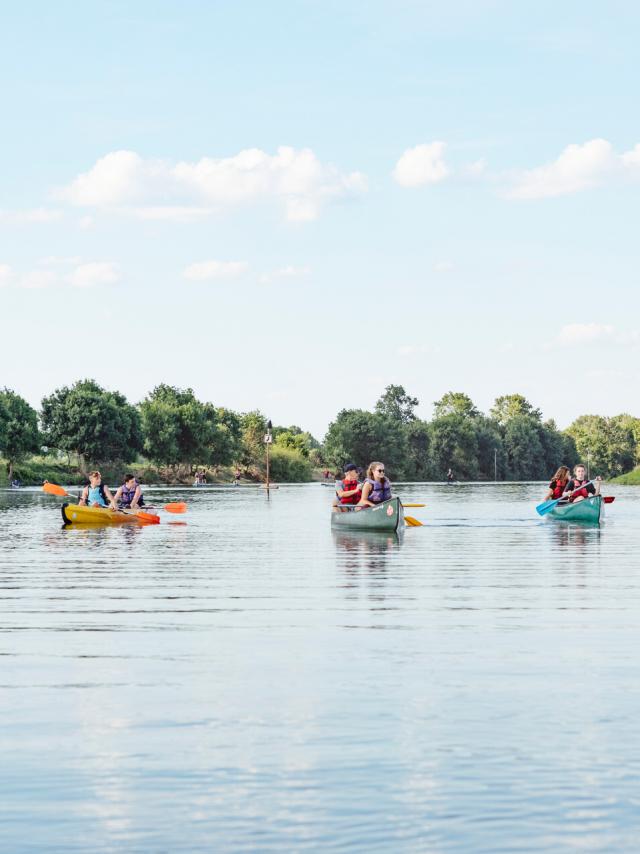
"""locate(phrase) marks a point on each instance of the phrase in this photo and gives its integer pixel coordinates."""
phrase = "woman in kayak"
(558, 483)
(96, 494)
(579, 488)
(376, 488)
(129, 494)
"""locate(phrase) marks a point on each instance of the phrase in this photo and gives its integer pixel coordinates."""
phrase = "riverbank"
(631, 478)
(34, 471)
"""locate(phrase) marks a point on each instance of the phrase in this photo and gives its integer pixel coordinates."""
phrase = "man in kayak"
(96, 494)
(579, 487)
(348, 490)
(129, 494)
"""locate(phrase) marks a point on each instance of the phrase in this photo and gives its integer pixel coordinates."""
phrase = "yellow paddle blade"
(414, 505)
(176, 507)
(413, 523)
(53, 489)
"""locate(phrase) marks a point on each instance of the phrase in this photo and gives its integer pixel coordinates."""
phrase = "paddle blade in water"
(609, 499)
(413, 523)
(176, 507)
(151, 518)
(53, 489)
(546, 506)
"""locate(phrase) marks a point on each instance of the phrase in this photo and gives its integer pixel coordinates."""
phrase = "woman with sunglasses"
(376, 488)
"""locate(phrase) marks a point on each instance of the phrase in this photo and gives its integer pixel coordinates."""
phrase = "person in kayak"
(558, 484)
(129, 495)
(348, 490)
(96, 494)
(376, 487)
(580, 483)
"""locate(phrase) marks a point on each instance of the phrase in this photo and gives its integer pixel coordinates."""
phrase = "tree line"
(173, 429)
(512, 442)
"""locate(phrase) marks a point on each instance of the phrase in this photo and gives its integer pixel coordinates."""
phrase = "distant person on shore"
(96, 494)
(129, 495)
(237, 476)
(450, 477)
(376, 487)
(580, 483)
(348, 490)
(558, 484)
(201, 478)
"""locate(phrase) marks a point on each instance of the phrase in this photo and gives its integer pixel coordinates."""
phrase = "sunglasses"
(380, 470)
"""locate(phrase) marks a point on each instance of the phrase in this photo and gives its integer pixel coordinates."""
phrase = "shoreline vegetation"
(171, 435)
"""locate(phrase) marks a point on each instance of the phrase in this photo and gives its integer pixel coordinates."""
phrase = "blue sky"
(288, 206)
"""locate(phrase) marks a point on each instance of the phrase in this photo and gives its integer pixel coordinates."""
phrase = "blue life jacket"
(96, 494)
(379, 491)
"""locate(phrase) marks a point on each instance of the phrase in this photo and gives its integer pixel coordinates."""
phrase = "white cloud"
(122, 181)
(423, 164)
(288, 272)
(5, 274)
(33, 215)
(205, 270)
(37, 279)
(94, 273)
(579, 167)
(584, 333)
(443, 267)
(85, 222)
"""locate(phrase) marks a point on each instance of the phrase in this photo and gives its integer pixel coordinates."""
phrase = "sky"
(289, 206)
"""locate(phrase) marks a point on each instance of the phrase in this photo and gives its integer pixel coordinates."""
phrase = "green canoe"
(590, 510)
(388, 516)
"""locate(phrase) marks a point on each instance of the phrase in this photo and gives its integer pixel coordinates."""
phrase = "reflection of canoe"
(73, 513)
(589, 510)
(385, 517)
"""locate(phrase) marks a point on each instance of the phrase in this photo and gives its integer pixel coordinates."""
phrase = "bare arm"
(366, 490)
(83, 496)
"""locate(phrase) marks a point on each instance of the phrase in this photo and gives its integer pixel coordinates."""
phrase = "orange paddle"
(54, 489)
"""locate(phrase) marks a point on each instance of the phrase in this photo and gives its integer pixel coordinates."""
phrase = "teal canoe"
(388, 516)
(591, 510)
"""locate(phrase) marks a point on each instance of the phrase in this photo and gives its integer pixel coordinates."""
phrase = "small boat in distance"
(386, 516)
(589, 510)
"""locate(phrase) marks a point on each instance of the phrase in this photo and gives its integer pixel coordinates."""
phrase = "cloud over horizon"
(124, 182)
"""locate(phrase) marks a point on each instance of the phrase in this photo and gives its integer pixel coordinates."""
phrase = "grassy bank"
(34, 471)
(631, 478)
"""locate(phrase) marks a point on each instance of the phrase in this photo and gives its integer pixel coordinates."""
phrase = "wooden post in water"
(268, 440)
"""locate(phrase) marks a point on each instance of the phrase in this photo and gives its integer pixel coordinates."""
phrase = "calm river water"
(248, 681)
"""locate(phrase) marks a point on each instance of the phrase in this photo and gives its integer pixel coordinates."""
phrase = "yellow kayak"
(104, 516)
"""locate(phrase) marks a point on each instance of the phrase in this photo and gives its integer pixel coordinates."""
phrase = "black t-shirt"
(577, 484)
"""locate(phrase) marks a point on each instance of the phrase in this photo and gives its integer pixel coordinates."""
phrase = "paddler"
(129, 494)
(96, 494)
(348, 490)
(376, 487)
(580, 483)
(558, 483)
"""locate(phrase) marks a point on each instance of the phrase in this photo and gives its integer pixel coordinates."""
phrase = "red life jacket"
(574, 484)
(348, 485)
(557, 487)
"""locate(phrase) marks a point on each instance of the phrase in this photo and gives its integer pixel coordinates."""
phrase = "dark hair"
(128, 477)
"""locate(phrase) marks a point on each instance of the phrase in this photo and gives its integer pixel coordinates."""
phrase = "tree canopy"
(19, 434)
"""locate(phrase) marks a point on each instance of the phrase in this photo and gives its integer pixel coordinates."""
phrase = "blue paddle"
(546, 506)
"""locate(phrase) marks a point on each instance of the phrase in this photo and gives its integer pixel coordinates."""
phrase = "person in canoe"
(348, 491)
(129, 495)
(96, 494)
(580, 483)
(558, 484)
(450, 477)
(376, 487)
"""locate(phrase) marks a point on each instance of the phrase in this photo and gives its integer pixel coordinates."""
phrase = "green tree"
(526, 457)
(229, 439)
(607, 445)
(454, 445)
(287, 465)
(455, 403)
(511, 406)
(492, 459)
(253, 427)
(94, 424)
(362, 437)
(19, 435)
(179, 429)
(397, 405)
(418, 464)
